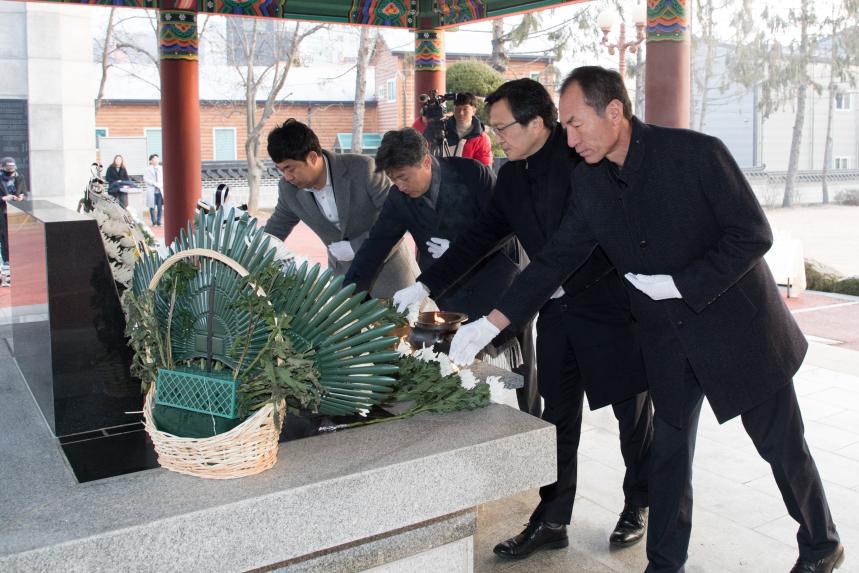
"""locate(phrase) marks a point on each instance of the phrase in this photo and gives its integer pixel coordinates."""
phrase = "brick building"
(319, 95)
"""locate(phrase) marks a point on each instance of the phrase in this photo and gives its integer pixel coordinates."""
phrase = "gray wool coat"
(359, 193)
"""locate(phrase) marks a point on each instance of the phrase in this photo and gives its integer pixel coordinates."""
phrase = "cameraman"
(465, 134)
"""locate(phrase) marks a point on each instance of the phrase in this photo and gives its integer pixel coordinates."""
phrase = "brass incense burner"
(435, 329)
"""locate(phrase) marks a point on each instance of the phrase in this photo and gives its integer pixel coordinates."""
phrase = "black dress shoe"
(825, 565)
(630, 527)
(535, 535)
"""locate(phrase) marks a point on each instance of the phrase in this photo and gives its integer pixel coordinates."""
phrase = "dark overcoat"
(680, 206)
(464, 189)
(605, 345)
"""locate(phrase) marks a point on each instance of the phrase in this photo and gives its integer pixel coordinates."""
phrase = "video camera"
(432, 104)
(432, 108)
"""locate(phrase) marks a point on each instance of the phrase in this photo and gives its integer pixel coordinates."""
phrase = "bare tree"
(280, 45)
(368, 38)
(843, 49)
(106, 49)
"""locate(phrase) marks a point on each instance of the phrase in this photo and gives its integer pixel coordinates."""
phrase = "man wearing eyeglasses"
(339, 197)
(586, 336)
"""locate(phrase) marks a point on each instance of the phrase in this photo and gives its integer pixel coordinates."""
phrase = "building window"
(842, 101)
(224, 143)
(153, 141)
(842, 163)
(99, 133)
(392, 89)
(381, 93)
(534, 76)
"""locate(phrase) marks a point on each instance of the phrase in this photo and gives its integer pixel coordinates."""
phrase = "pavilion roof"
(392, 13)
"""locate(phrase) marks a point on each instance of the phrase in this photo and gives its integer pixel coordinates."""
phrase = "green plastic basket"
(205, 392)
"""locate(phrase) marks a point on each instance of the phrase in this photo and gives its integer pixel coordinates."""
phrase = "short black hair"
(150, 157)
(599, 86)
(292, 140)
(465, 98)
(527, 99)
(401, 148)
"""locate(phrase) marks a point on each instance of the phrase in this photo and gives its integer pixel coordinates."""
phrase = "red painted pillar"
(667, 73)
(429, 64)
(180, 115)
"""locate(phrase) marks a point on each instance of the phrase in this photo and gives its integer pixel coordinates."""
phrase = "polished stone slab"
(67, 324)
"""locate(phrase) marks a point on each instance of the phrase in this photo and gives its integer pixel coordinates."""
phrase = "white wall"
(58, 47)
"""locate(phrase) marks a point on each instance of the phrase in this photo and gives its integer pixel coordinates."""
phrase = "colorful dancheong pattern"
(177, 35)
(667, 21)
(429, 50)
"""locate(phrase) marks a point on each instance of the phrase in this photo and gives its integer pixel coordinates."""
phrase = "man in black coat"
(586, 338)
(436, 200)
(675, 214)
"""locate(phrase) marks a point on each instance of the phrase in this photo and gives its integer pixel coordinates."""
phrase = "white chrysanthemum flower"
(412, 312)
(426, 354)
(127, 240)
(122, 274)
(100, 217)
(467, 379)
(111, 249)
(404, 348)
(445, 365)
(127, 257)
(496, 389)
(363, 412)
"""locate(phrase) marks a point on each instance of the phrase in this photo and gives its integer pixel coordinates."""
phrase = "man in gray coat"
(339, 197)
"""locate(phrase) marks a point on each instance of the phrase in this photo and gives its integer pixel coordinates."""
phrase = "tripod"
(437, 139)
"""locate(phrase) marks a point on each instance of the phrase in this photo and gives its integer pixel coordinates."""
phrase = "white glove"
(342, 251)
(281, 252)
(437, 246)
(410, 296)
(470, 339)
(657, 287)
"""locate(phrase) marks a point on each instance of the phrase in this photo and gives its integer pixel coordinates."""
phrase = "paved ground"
(740, 523)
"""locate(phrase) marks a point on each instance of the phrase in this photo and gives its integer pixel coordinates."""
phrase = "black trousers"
(4, 236)
(563, 391)
(777, 431)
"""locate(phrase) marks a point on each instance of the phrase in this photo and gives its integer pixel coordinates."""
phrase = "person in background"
(420, 123)
(465, 134)
(13, 187)
(116, 177)
(153, 176)
(339, 197)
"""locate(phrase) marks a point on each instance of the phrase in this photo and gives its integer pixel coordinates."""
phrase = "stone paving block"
(851, 452)
(600, 484)
(821, 436)
(810, 385)
(846, 420)
(814, 409)
(847, 399)
(720, 545)
(739, 503)
(741, 464)
(834, 468)
(603, 446)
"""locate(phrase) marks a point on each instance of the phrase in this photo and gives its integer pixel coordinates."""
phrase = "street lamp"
(606, 21)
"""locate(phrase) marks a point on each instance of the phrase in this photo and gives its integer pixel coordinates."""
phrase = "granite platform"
(389, 497)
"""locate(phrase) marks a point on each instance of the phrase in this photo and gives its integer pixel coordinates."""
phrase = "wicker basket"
(248, 449)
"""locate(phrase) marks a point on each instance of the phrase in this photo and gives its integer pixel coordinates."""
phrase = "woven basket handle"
(208, 253)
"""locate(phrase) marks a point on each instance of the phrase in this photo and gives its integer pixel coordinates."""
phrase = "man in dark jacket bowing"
(436, 200)
(586, 338)
(675, 214)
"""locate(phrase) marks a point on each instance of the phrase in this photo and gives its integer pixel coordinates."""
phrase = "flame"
(437, 319)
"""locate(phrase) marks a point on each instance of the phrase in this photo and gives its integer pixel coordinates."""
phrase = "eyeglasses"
(500, 130)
